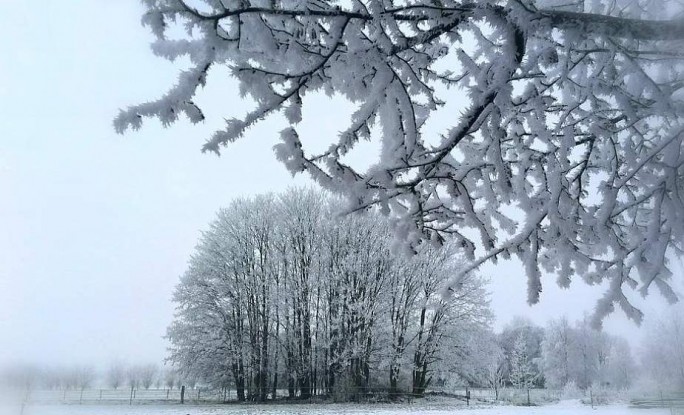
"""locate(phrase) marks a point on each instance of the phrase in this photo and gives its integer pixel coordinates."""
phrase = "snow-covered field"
(562, 408)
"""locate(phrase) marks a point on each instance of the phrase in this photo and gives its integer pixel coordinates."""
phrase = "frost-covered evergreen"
(522, 338)
(523, 373)
(562, 145)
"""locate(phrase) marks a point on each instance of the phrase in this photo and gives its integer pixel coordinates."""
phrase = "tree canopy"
(282, 294)
(565, 152)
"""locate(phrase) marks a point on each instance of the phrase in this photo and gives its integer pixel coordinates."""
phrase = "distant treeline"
(118, 375)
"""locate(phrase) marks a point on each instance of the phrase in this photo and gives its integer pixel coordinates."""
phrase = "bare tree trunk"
(263, 371)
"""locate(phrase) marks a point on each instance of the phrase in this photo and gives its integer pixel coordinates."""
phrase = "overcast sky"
(96, 228)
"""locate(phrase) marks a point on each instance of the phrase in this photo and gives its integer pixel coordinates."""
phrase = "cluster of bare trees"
(143, 376)
(579, 355)
(510, 358)
(663, 351)
(558, 356)
(118, 375)
(281, 294)
(30, 377)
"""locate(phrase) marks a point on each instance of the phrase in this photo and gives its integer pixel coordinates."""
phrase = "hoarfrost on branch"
(574, 118)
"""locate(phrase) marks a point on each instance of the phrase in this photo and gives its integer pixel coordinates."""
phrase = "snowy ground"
(562, 408)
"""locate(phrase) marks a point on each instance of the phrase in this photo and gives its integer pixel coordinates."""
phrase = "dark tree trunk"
(239, 375)
(263, 370)
(393, 380)
(418, 388)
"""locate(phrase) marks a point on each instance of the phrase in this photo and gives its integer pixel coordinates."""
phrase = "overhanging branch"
(586, 22)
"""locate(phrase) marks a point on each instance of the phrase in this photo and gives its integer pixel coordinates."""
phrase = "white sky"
(96, 228)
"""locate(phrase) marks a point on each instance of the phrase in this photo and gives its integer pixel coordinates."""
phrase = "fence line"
(128, 396)
(661, 400)
(206, 395)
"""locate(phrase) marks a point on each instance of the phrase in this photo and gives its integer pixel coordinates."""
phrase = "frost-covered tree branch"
(567, 153)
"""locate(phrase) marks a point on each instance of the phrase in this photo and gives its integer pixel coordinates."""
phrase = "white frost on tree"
(581, 356)
(523, 329)
(557, 353)
(572, 115)
(116, 375)
(522, 371)
(662, 356)
(282, 294)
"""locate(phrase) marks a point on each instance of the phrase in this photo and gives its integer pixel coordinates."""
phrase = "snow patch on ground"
(569, 407)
